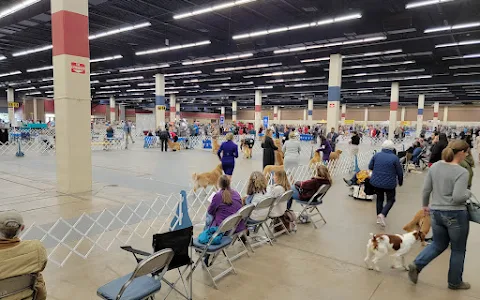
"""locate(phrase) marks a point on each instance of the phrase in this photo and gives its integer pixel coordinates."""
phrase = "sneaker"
(383, 222)
(462, 286)
(413, 273)
(378, 220)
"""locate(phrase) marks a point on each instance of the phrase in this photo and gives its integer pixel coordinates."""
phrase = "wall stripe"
(435, 114)
(160, 100)
(420, 111)
(334, 93)
(69, 32)
(258, 108)
(393, 106)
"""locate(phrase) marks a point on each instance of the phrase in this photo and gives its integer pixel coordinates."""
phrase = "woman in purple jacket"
(325, 148)
(227, 153)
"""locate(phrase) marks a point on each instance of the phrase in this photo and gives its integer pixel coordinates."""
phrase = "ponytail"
(224, 184)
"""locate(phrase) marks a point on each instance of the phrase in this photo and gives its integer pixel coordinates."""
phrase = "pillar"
(275, 113)
(310, 111)
(112, 111)
(177, 111)
(35, 110)
(366, 116)
(71, 79)
(173, 107)
(344, 113)
(445, 115)
(436, 108)
(121, 112)
(279, 115)
(304, 116)
(159, 101)
(234, 111)
(402, 115)
(11, 110)
(421, 105)
(393, 110)
(258, 109)
(334, 85)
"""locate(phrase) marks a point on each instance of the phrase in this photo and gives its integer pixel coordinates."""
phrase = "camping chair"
(227, 228)
(15, 285)
(312, 205)
(267, 203)
(140, 284)
(245, 212)
(276, 222)
(179, 241)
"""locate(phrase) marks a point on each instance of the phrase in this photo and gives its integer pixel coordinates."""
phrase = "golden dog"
(420, 222)
(335, 155)
(315, 159)
(174, 146)
(215, 145)
(207, 178)
(271, 168)
(278, 153)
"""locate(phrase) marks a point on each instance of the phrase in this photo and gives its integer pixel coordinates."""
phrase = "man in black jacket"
(164, 136)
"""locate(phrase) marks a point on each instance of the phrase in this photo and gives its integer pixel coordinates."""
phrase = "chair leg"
(325, 221)
(210, 274)
(267, 233)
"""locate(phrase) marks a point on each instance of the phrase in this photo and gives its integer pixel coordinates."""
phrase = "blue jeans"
(449, 227)
(295, 195)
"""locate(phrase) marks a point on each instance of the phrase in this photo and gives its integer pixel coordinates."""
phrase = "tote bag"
(473, 206)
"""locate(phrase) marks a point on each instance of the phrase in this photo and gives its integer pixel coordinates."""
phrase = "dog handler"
(227, 153)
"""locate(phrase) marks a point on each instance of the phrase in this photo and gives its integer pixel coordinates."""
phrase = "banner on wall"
(405, 123)
(265, 122)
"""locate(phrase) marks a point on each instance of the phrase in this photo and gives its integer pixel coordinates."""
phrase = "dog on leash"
(208, 178)
(420, 222)
(247, 151)
(397, 245)
(175, 146)
(215, 145)
(272, 168)
(315, 160)
(335, 155)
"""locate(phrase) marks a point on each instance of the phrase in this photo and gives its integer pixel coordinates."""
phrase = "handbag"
(473, 207)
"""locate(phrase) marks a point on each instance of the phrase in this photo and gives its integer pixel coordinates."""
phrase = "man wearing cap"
(20, 257)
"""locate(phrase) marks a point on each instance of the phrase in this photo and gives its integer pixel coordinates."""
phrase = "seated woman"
(304, 190)
(277, 190)
(417, 151)
(358, 178)
(256, 192)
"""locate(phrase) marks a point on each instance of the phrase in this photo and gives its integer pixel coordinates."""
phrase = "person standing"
(227, 153)
(127, 128)
(163, 136)
(325, 148)
(386, 173)
(355, 142)
(269, 149)
(447, 183)
(291, 150)
(332, 137)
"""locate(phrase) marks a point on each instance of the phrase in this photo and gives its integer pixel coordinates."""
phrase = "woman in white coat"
(291, 150)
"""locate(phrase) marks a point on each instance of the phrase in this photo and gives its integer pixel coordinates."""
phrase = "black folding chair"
(179, 241)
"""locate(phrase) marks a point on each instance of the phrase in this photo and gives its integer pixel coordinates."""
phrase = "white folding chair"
(265, 204)
(275, 216)
(9, 287)
(310, 206)
(245, 212)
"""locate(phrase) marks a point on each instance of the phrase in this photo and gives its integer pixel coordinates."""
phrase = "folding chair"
(245, 212)
(267, 203)
(140, 284)
(312, 205)
(12, 286)
(227, 228)
(179, 241)
(276, 222)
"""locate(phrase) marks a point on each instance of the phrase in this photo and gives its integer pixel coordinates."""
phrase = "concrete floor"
(326, 263)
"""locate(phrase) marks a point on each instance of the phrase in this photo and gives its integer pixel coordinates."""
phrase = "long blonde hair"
(322, 172)
(257, 183)
(448, 154)
(282, 179)
(224, 184)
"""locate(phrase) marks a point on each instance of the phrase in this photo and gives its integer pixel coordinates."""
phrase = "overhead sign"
(265, 122)
(222, 120)
(161, 107)
(332, 105)
(14, 104)
(405, 123)
(78, 68)
(349, 122)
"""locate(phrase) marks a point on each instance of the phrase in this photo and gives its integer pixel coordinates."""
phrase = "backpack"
(289, 220)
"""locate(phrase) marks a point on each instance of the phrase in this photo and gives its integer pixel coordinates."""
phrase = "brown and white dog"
(335, 155)
(420, 222)
(397, 245)
(208, 178)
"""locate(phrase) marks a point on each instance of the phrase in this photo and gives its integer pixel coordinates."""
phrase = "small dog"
(215, 145)
(397, 245)
(247, 152)
(420, 222)
(271, 168)
(335, 155)
(175, 146)
(208, 178)
(315, 160)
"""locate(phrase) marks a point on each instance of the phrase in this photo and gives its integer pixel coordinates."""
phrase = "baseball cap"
(10, 218)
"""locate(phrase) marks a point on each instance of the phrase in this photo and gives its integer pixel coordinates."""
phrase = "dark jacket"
(308, 188)
(268, 152)
(386, 170)
(436, 150)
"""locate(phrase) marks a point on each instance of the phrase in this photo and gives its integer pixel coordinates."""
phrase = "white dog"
(397, 245)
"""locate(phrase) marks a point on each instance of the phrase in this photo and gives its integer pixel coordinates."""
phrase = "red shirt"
(308, 188)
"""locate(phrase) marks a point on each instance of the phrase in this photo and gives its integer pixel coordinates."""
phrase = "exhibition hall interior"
(239, 149)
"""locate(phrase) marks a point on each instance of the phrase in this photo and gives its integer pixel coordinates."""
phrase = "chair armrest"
(135, 251)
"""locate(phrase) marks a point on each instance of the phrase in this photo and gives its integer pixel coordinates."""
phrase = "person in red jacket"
(304, 190)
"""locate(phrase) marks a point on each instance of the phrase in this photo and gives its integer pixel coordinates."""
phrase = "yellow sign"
(349, 122)
(162, 107)
(405, 123)
(14, 104)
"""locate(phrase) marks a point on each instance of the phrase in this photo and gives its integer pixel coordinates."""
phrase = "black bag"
(369, 189)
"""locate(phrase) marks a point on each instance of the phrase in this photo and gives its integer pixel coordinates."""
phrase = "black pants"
(164, 144)
(381, 198)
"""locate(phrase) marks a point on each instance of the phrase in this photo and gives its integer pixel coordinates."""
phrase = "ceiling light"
(131, 94)
(99, 73)
(384, 73)
(373, 54)
(395, 79)
(425, 3)
(453, 27)
(464, 43)
(17, 7)
(33, 93)
(364, 91)
(206, 79)
(107, 92)
(170, 48)
(260, 66)
(203, 61)
(34, 50)
(94, 81)
(263, 87)
(211, 8)
(298, 85)
(231, 84)
(115, 86)
(315, 60)
(25, 89)
(10, 73)
(477, 55)
(464, 67)
(183, 74)
(119, 30)
(355, 41)
(49, 92)
(378, 65)
(40, 69)
(140, 90)
(125, 79)
(467, 74)
(276, 74)
(144, 68)
(182, 87)
(295, 79)
(46, 87)
(106, 58)
(298, 26)
(47, 79)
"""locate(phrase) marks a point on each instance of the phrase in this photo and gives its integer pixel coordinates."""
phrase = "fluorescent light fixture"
(464, 43)
(49, 92)
(106, 58)
(17, 7)
(368, 54)
(364, 91)
(476, 55)
(47, 79)
(125, 79)
(140, 90)
(348, 42)
(223, 58)
(40, 69)
(211, 8)
(171, 92)
(182, 87)
(94, 81)
(207, 79)
(295, 79)
(425, 3)
(107, 92)
(183, 74)
(231, 84)
(10, 73)
(298, 85)
(262, 87)
(277, 74)
(383, 73)
(464, 67)
(170, 48)
(25, 89)
(299, 26)
(33, 93)
(144, 68)
(131, 94)
(99, 73)
(34, 50)
(119, 30)
(379, 65)
(115, 86)
(395, 78)
(305, 61)
(46, 87)
(2, 57)
(260, 66)
(453, 27)
(467, 74)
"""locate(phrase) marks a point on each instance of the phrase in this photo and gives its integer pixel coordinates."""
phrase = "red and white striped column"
(395, 93)
(173, 107)
(275, 113)
(258, 109)
(112, 110)
(344, 113)
(436, 108)
(234, 111)
(71, 73)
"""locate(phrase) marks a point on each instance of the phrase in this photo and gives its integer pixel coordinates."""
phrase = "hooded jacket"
(468, 163)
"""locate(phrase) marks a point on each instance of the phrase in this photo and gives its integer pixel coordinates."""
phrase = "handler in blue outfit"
(227, 153)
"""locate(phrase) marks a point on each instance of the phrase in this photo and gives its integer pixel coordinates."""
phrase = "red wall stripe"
(435, 114)
(393, 106)
(70, 34)
(258, 108)
(112, 109)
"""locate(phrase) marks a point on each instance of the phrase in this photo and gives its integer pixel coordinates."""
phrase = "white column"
(402, 115)
(436, 108)
(121, 112)
(279, 115)
(366, 116)
(234, 111)
(275, 113)
(173, 107)
(112, 110)
(310, 111)
(334, 86)
(160, 107)
(344, 113)
(304, 116)
(421, 105)
(177, 111)
(393, 110)
(11, 110)
(445, 115)
(35, 110)
(258, 109)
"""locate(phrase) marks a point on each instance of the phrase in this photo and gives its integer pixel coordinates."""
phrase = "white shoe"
(383, 223)
(378, 220)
